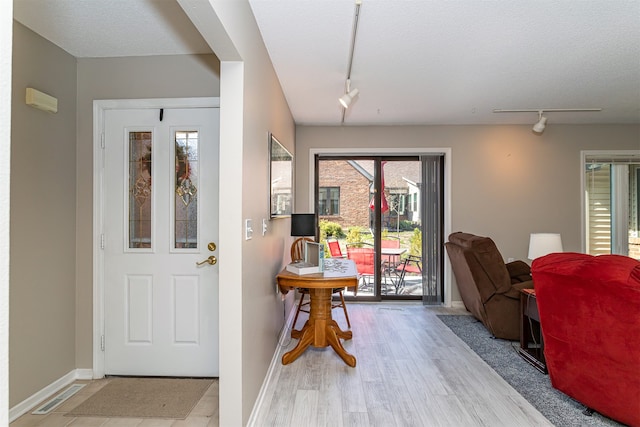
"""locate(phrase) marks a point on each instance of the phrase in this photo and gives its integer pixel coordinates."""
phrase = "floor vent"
(57, 400)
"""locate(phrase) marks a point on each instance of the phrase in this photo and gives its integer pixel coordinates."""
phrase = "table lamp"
(541, 244)
(303, 225)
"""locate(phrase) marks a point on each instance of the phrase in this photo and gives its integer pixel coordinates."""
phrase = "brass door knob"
(211, 261)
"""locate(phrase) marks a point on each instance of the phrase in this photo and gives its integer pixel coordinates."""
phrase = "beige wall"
(52, 195)
(43, 218)
(6, 36)
(256, 99)
(170, 76)
(264, 256)
(506, 182)
(254, 313)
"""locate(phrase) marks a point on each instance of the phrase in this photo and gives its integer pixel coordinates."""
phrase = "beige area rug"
(144, 398)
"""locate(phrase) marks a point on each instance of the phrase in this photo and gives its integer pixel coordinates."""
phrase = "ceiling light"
(541, 124)
(345, 100)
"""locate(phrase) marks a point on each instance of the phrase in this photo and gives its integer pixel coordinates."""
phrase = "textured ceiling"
(415, 61)
(454, 62)
(109, 28)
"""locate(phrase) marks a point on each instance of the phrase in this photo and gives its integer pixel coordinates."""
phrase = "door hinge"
(102, 342)
(102, 140)
(102, 241)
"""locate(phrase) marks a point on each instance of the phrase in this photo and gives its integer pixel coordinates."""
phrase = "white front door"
(160, 223)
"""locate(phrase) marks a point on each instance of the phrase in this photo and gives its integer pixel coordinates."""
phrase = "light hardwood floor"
(411, 371)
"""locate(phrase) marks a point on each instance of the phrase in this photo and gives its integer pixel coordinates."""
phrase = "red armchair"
(590, 316)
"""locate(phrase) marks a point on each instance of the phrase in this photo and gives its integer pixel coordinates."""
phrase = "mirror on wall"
(280, 179)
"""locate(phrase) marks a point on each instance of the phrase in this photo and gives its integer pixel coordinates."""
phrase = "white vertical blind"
(611, 203)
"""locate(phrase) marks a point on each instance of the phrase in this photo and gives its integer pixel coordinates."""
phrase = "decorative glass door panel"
(140, 190)
(186, 185)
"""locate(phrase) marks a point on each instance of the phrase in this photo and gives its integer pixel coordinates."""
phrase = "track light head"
(347, 98)
(541, 124)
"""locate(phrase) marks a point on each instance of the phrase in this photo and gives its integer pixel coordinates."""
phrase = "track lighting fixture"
(347, 98)
(541, 124)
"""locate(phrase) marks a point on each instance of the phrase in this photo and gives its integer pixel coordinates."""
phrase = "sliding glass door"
(385, 213)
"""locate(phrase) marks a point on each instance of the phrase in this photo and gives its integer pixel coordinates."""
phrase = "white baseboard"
(84, 374)
(30, 402)
(457, 304)
(277, 355)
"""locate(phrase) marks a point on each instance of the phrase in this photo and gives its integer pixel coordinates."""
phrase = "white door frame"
(99, 108)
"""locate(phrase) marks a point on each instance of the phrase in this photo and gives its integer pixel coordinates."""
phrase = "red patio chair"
(364, 258)
(334, 249)
(412, 264)
(390, 260)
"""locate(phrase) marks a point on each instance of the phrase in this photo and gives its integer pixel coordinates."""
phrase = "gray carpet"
(533, 385)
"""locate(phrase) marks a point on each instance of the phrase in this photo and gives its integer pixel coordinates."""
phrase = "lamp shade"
(541, 244)
(303, 224)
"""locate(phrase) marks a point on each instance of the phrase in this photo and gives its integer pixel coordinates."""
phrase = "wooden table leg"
(334, 342)
(296, 334)
(320, 330)
(345, 335)
(305, 340)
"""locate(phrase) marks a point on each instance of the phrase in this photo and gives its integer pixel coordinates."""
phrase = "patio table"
(391, 260)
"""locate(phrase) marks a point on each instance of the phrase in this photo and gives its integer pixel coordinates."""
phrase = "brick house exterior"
(354, 179)
(354, 192)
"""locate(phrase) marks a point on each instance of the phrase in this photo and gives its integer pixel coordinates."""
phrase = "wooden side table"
(531, 343)
(321, 330)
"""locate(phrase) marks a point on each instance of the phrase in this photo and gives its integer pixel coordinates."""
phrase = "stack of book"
(313, 260)
(302, 267)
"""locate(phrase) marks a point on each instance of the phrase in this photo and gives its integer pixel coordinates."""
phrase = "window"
(329, 201)
(396, 201)
(611, 192)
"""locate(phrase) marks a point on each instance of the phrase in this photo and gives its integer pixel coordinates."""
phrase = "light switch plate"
(248, 229)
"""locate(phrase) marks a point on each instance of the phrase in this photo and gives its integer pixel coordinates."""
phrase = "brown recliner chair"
(490, 289)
